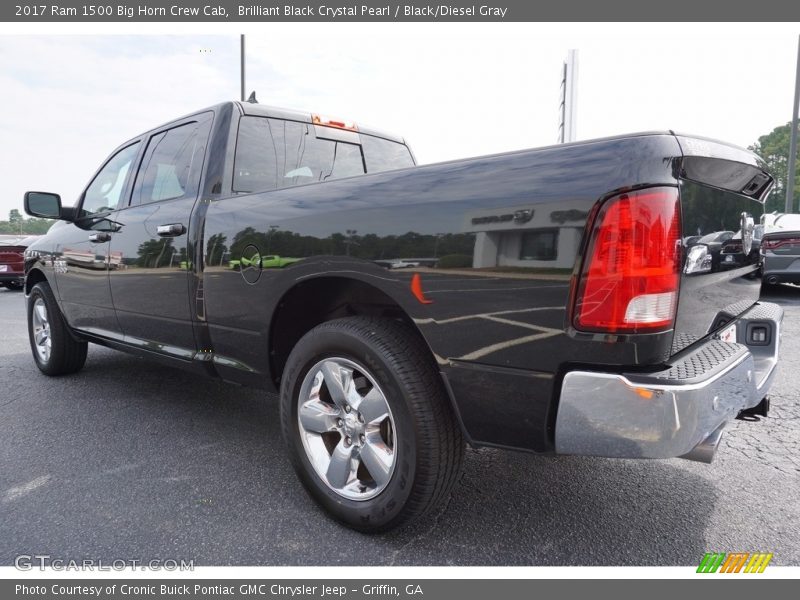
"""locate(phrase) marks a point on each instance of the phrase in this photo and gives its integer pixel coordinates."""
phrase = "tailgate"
(722, 189)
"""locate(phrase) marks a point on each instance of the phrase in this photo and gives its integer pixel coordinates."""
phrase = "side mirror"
(43, 204)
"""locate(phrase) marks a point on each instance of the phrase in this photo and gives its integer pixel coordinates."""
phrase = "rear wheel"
(368, 424)
(55, 351)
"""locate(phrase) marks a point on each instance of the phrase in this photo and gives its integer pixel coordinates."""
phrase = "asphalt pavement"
(133, 460)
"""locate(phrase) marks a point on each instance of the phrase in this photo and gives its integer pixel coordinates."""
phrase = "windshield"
(11, 241)
(717, 236)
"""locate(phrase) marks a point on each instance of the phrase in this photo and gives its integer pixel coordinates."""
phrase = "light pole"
(567, 127)
(272, 229)
(793, 140)
(436, 245)
(241, 59)
(350, 234)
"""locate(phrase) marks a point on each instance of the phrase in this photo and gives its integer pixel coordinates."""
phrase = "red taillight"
(731, 247)
(631, 269)
(338, 123)
(775, 243)
(18, 250)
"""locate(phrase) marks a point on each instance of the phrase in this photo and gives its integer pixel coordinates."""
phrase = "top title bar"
(409, 10)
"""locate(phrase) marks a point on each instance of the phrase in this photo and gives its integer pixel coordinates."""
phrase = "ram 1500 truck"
(549, 300)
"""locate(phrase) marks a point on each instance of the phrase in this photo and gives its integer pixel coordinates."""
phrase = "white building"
(535, 236)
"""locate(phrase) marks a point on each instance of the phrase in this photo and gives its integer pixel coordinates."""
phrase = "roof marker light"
(329, 122)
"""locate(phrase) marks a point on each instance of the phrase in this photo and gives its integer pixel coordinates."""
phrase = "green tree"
(215, 250)
(36, 226)
(19, 225)
(15, 222)
(774, 149)
(155, 253)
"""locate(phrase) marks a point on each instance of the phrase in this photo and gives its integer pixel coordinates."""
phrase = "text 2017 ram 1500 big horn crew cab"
(549, 299)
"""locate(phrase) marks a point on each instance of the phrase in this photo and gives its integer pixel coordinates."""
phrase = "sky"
(452, 90)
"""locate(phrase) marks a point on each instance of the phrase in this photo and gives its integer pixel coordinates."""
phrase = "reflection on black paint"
(155, 253)
(368, 247)
(326, 250)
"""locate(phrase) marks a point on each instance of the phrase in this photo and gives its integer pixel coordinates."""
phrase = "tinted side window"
(273, 154)
(104, 192)
(384, 155)
(172, 164)
(255, 165)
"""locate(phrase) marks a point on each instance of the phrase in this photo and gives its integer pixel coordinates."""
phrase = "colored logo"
(737, 562)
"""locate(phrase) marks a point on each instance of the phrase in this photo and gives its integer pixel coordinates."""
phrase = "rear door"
(149, 258)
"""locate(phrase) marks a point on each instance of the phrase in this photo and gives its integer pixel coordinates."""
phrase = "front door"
(82, 258)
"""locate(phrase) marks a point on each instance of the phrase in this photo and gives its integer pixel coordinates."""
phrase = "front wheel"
(368, 423)
(55, 351)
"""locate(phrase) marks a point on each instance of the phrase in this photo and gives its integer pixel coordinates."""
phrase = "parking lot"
(132, 460)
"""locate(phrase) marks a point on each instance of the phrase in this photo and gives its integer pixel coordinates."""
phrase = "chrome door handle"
(171, 230)
(99, 237)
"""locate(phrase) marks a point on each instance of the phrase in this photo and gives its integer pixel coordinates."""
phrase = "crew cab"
(250, 244)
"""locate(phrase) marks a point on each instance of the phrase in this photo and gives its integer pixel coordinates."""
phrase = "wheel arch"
(320, 299)
(33, 277)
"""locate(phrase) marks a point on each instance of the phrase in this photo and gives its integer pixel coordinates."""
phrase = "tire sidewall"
(381, 510)
(38, 291)
(51, 367)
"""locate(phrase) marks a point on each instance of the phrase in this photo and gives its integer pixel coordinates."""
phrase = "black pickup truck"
(545, 300)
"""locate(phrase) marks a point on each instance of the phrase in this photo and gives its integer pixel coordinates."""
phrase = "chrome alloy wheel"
(347, 428)
(41, 330)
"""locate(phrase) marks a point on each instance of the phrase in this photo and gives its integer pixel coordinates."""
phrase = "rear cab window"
(381, 154)
(275, 153)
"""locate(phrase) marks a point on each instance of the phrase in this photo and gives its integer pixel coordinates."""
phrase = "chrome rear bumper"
(680, 411)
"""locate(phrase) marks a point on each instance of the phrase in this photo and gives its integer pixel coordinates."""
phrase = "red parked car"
(12, 264)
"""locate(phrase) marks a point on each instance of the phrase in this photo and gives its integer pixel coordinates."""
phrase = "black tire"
(66, 354)
(427, 438)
